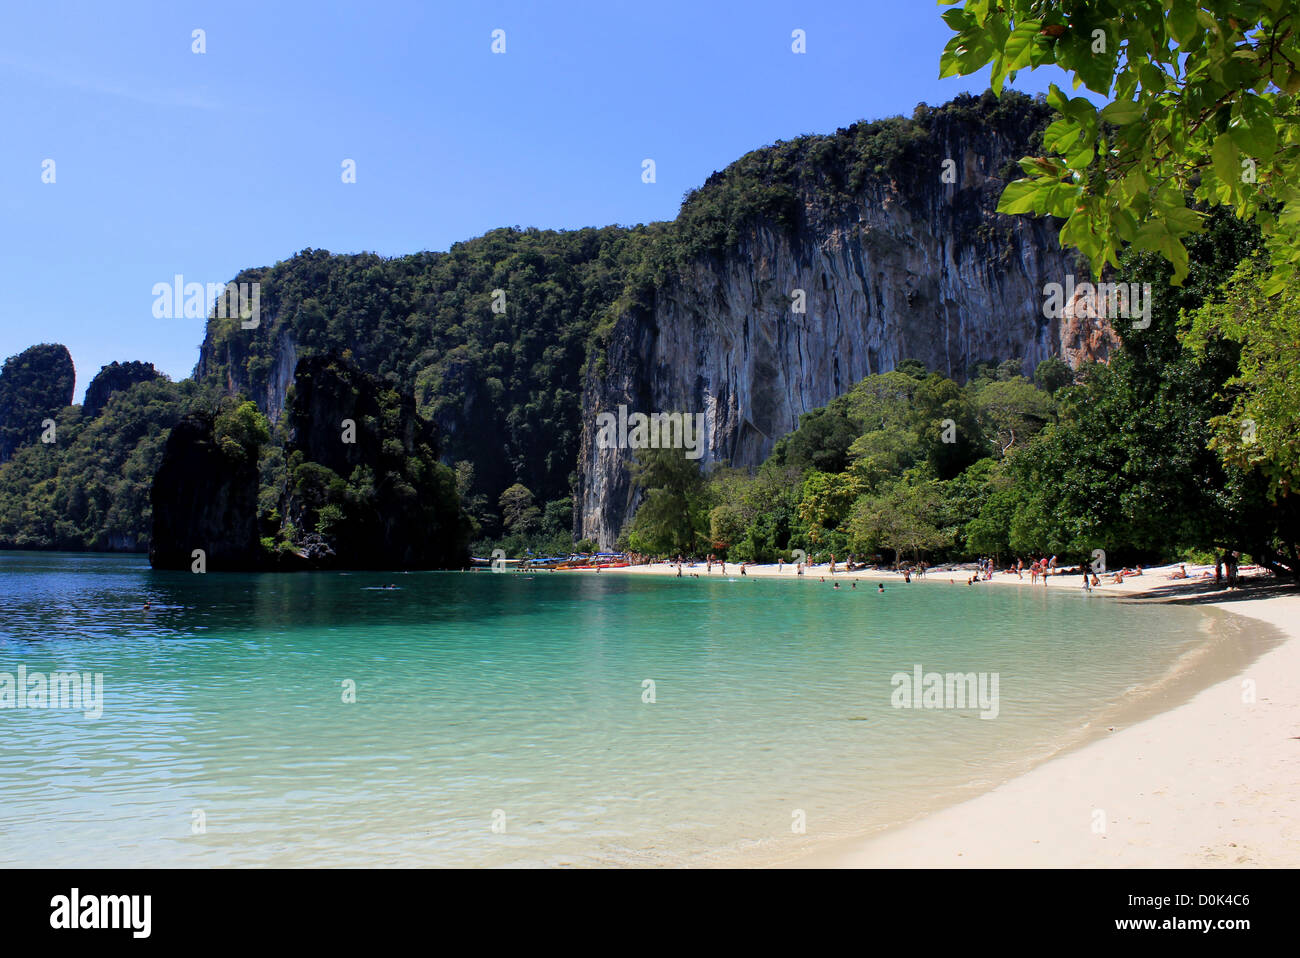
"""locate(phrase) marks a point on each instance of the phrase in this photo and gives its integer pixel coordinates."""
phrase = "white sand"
(1212, 782)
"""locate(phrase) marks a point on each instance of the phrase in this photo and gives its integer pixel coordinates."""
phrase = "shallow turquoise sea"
(506, 719)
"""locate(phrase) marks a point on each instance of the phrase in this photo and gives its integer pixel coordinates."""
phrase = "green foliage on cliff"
(356, 481)
(35, 386)
(1143, 458)
(89, 489)
(897, 464)
(501, 374)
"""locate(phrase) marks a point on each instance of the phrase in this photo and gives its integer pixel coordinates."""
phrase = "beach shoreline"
(1211, 782)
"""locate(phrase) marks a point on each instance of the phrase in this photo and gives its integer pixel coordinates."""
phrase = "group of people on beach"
(1043, 567)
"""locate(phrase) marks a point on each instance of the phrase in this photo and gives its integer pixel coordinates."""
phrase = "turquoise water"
(516, 702)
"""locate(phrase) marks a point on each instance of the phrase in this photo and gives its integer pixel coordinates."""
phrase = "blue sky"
(168, 161)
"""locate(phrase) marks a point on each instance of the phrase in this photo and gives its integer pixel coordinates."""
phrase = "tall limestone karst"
(349, 480)
(35, 386)
(787, 277)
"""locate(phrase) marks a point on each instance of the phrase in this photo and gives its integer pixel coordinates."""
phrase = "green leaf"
(1020, 196)
(1225, 154)
(1062, 135)
(959, 20)
(1182, 22)
(1019, 46)
(1121, 112)
(1255, 130)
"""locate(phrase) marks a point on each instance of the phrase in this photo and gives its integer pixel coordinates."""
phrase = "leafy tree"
(900, 519)
(1053, 373)
(673, 516)
(912, 367)
(825, 502)
(1261, 430)
(1011, 411)
(1203, 105)
(240, 430)
(946, 426)
(518, 513)
(822, 440)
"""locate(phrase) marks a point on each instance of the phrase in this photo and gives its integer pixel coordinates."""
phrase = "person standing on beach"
(1087, 586)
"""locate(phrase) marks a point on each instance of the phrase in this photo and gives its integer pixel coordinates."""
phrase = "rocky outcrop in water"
(35, 386)
(364, 475)
(351, 481)
(204, 498)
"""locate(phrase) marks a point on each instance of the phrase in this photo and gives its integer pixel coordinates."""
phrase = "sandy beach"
(1214, 781)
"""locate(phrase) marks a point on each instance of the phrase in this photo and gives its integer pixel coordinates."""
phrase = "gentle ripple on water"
(478, 692)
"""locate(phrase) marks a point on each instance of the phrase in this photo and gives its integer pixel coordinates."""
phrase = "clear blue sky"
(168, 161)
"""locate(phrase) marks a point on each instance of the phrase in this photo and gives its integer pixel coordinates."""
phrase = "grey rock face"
(269, 390)
(932, 274)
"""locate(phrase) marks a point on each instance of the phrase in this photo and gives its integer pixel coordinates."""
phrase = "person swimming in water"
(881, 587)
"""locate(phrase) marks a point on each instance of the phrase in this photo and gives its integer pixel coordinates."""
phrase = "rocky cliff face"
(372, 463)
(268, 384)
(203, 498)
(113, 378)
(34, 386)
(908, 266)
(884, 233)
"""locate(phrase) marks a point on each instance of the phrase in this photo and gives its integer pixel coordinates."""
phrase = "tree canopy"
(1202, 108)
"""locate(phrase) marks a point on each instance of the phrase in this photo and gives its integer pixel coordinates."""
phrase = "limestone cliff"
(514, 342)
(912, 261)
(365, 475)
